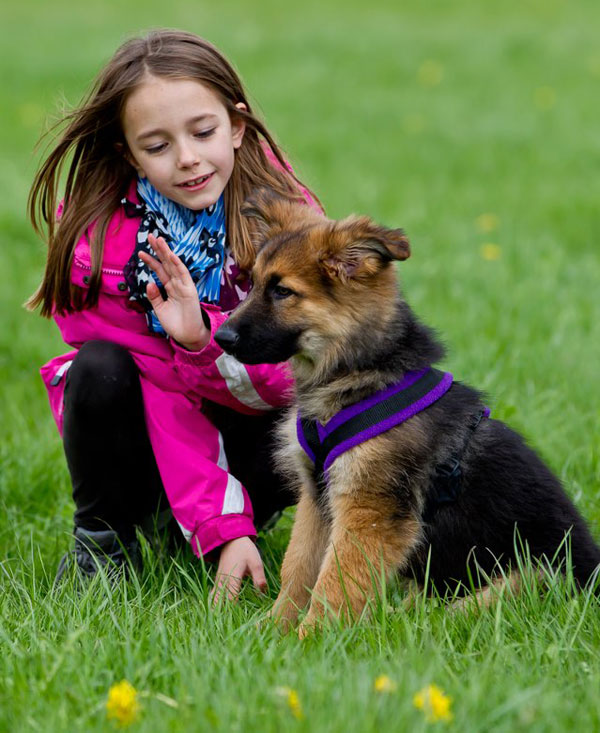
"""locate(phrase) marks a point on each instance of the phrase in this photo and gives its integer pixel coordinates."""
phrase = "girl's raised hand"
(180, 315)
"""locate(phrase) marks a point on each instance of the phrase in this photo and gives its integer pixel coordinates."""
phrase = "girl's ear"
(123, 150)
(238, 126)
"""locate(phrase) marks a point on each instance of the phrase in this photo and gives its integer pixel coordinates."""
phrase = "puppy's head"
(319, 286)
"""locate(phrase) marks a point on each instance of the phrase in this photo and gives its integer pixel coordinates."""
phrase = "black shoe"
(102, 549)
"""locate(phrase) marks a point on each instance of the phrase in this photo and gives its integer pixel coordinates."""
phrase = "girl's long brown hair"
(98, 174)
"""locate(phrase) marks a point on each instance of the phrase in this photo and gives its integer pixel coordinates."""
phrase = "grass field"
(426, 116)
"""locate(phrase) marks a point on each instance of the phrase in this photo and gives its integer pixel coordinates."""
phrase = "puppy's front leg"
(303, 557)
(366, 541)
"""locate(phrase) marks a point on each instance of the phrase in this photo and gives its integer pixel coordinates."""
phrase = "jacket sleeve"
(210, 505)
(215, 375)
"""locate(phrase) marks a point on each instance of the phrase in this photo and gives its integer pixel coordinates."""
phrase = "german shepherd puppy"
(325, 297)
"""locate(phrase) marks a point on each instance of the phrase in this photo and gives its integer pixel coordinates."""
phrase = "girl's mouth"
(197, 183)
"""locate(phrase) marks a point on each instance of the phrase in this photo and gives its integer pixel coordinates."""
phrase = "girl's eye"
(205, 133)
(156, 148)
(279, 292)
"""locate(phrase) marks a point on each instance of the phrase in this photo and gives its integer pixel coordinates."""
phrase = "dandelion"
(122, 704)
(487, 223)
(384, 684)
(293, 701)
(430, 73)
(490, 251)
(544, 98)
(434, 703)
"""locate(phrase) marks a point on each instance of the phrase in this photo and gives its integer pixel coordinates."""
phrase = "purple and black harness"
(378, 413)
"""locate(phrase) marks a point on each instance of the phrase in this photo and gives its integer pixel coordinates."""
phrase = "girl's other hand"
(180, 315)
(239, 558)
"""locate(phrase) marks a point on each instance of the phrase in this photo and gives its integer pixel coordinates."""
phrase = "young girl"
(165, 145)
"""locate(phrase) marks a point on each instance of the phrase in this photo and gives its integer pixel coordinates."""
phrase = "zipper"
(105, 270)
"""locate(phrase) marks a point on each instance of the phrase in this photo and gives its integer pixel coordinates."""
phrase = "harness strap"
(381, 412)
(309, 440)
(370, 417)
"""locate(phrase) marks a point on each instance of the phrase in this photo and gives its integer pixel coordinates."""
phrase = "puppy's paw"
(314, 620)
(304, 631)
(284, 614)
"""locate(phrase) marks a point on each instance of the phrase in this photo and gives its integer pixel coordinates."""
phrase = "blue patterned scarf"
(196, 237)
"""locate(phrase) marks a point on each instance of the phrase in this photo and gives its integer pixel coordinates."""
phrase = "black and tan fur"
(325, 297)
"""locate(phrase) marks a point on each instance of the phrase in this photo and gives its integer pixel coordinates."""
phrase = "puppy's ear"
(272, 213)
(263, 207)
(361, 248)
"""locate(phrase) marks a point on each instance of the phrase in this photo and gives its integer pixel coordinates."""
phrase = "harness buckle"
(449, 469)
(448, 481)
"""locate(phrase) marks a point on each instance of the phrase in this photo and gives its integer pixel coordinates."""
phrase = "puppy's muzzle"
(227, 338)
(256, 342)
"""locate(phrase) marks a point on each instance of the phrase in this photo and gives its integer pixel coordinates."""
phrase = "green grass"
(510, 128)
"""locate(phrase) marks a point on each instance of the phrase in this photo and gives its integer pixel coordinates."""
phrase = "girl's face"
(181, 138)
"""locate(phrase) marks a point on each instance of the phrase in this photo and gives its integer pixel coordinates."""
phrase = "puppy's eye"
(279, 292)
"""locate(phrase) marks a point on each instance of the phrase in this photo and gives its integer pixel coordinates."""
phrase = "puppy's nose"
(227, 338)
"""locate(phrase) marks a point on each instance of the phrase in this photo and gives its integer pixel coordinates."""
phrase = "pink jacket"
(210, 505)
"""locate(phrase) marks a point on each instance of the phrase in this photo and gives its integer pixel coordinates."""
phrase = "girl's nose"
(187, 156)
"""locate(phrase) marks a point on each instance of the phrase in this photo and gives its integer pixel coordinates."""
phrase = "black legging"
(115, 479)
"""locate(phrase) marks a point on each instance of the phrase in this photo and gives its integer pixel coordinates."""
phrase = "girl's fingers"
(160, 246)
(163, 253)
(156, 266)
(154, 296)
(258, 577)
(227, 588)
(170, 262)
(180, 271)
(157, 243)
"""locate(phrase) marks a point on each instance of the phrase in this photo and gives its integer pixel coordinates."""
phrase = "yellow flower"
(490, 251)
(292, 700)
(487, 223)
(384, 684)
(432, 701)
(544, 97)
(430, 73)
(122, 704)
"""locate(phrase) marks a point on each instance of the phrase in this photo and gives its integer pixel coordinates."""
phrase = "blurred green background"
(471, 124)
